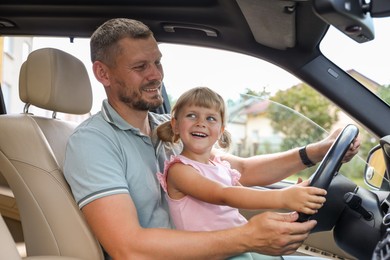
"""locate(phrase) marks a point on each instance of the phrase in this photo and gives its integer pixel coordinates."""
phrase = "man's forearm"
(164, 244)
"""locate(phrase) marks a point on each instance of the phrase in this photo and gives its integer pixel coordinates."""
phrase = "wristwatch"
(304, 158)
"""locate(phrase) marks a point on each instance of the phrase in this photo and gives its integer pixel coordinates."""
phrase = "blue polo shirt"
(106, 155)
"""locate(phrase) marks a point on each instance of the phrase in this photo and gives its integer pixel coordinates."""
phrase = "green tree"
(384, 93)
(299, 131)
(308, 102)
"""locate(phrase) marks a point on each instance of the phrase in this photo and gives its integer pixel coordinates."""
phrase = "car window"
(368, 62)
(270, 110)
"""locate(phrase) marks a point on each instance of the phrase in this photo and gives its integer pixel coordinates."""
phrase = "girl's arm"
(267, 169)
(185, 180)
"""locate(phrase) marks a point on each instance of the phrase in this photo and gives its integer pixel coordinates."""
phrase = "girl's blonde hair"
(202, 97)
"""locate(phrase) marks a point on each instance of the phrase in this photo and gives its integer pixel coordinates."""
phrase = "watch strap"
(304, 158)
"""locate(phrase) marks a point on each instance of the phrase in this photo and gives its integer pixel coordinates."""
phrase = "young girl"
(203, 191)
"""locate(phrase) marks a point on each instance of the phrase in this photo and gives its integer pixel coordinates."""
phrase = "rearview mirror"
(375, 168)
(353, 18)
(350, 17)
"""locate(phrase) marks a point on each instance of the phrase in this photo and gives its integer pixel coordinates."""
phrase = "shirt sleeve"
(162, 177)
(94, 166)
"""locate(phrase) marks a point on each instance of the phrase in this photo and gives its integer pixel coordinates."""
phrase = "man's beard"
(135, 100)
(146, 106)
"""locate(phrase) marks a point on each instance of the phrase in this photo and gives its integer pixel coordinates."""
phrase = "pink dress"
(192, 214)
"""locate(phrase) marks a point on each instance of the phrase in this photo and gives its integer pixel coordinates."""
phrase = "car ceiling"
(262, 28)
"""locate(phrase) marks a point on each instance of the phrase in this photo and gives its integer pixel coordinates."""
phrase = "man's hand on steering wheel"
(325, 144)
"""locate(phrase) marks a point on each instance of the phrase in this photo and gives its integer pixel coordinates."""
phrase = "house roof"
(257, 107)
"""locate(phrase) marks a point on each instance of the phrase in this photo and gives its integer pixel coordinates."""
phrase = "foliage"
(308, 102)
(384, 93)
(299, 131)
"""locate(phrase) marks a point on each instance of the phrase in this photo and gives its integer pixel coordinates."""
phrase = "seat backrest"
(32, 150)
(7, 244)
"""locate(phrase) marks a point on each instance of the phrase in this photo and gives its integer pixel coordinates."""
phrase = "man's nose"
(155, 73)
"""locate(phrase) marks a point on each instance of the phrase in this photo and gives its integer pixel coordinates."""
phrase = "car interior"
(33, 151)
(39, 215)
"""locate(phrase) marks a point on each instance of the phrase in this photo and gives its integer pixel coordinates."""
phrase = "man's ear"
(101, 72)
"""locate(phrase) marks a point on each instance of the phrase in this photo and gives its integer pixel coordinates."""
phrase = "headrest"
(55, 80)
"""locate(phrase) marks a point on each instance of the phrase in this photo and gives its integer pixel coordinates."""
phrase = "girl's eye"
(211, 118)
(191, 115)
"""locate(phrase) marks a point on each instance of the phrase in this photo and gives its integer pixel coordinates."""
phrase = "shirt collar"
(111, 116)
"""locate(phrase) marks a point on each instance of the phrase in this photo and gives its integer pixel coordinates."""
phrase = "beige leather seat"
(7, 244)
(8, 250)
(32, 150)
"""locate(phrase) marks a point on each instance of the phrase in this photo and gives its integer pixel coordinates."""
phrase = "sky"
(231, 74)
(371, 58)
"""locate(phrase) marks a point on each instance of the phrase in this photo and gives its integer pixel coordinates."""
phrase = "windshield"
(367, 62)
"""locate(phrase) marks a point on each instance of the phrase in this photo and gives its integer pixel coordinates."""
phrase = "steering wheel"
(331, 162)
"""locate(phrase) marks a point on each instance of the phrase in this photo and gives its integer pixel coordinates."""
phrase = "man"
(112, 159)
